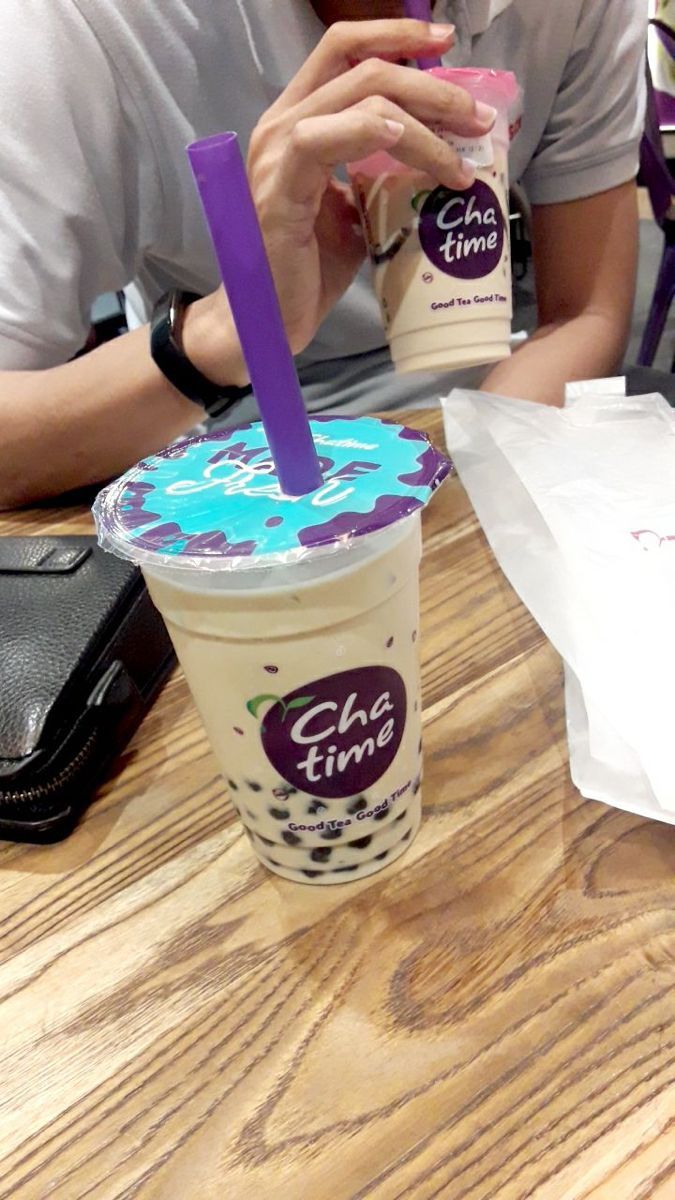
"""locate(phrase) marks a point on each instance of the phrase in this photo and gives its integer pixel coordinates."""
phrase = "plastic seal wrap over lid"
(499, 88)
(214, 503)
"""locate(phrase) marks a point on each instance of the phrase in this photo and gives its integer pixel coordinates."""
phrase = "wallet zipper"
(62, 781)
(63, 778)
(113, 702)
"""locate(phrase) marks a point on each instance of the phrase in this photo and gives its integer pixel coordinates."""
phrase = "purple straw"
(219, 172)
(420, 10)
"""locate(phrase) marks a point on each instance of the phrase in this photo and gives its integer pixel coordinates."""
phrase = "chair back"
(664, 74)
(654, 172)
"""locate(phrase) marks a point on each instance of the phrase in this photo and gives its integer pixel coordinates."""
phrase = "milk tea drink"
(441, 258)
(318, 738)
(296, 623)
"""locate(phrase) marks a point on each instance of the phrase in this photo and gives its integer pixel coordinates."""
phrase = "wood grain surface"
(492, 1018)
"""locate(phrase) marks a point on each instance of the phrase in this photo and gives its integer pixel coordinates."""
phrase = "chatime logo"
(335, 736)
(462, 233)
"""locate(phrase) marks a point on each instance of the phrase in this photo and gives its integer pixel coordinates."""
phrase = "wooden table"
(493, 1017)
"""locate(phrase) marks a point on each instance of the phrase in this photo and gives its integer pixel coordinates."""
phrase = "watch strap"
(166, 348)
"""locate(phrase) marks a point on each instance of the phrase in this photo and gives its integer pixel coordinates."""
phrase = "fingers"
(421, 149)
(433, 101)
(317, 144)
(349, 42)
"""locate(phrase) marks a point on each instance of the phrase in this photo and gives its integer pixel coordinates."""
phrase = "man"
(98, 103)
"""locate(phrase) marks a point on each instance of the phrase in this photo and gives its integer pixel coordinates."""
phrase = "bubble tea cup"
(441, 257)
(295, 620)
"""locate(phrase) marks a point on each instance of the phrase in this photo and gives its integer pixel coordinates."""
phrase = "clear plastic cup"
(327, 791)
(295, 620)
(441, 258)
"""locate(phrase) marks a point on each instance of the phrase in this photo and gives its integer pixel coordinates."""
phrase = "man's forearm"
(91, 418)
(585, 259)
(584, 347)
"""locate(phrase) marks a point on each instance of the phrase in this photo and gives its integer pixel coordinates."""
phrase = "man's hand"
(585, 260)
(99, 413)
(350, 99)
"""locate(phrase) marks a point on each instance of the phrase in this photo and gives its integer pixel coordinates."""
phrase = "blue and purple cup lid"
(213, 502)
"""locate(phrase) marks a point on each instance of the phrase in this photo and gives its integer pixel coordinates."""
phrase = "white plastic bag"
(578, 505)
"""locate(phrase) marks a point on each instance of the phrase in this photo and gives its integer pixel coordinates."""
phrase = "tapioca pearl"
(401, 816)
(316, 807)
(283, 791)
(331, 835)
(389, 643)
(251, 815)
(407, 835)
(291, 839)
(271, 669)
(414, 636)
(253, 786)
(343, 870)
(310, 874)
(362, 843)
(321, 854)
(265, 841)
(279, 814)
(419, 746)
(273, 862)
(416, 706)
(238, 730)
(357, 805)
(417, 785)
(232, 785)
(379, 816)
(381, 855)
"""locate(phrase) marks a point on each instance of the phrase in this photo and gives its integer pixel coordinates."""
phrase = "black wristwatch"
(166, 347)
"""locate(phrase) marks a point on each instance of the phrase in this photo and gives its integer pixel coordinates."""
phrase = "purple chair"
(656, 177)
(665, 103)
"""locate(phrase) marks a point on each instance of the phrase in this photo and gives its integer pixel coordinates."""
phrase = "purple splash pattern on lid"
(215, 502)
(342, 526)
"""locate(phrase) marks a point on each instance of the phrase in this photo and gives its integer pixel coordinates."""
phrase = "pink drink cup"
(441, 258)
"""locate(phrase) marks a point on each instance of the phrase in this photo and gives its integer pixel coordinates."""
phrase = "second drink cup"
(441, 258)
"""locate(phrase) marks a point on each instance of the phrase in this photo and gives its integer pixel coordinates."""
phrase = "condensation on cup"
(441, 258)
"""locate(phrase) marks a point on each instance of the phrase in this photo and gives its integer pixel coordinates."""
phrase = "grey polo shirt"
(100, 99)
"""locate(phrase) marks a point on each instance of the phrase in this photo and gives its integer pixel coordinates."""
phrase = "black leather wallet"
(83, 653)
